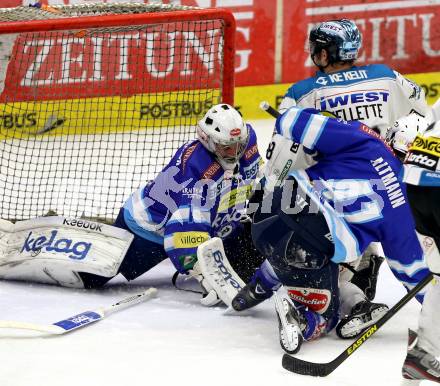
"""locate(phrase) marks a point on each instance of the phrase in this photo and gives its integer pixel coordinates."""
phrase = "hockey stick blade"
(83, 319)
(299, 366)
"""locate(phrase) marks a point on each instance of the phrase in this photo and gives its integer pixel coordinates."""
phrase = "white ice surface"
(173, 340)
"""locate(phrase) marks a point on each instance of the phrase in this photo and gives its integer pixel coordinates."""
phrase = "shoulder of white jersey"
(356, 74)
(413, 91)
(376, 71)
(302, 87)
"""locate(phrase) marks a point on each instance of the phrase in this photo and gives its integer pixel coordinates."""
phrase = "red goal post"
(95, 99)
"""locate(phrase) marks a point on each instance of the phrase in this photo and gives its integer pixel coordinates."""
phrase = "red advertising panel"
(61, 65)
(402, 34)
(255, 39)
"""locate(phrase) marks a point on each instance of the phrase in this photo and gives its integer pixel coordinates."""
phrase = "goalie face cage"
(92, 107)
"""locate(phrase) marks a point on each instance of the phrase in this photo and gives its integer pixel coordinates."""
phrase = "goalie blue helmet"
(340, 38)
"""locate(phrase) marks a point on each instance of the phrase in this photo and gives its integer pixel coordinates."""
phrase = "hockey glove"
(209, 297)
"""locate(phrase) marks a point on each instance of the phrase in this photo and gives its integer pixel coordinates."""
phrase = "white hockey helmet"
(224, 133)
(404, 131)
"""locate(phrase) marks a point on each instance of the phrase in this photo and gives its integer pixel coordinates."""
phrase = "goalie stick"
(83, 319)
(300, 366)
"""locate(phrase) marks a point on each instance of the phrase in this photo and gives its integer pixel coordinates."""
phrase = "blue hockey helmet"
(340, 38)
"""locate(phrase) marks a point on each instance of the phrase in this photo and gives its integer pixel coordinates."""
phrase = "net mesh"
(87, 116)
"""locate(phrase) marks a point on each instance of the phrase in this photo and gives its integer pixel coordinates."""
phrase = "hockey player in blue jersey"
(200, 194)
(345, 195)
(372, 94)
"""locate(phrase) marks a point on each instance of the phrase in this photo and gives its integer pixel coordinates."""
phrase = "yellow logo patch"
(429, 145)
(189, 239)
(234, 197)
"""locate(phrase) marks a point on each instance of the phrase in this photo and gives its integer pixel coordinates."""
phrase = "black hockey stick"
(269, 109)
(299, 366)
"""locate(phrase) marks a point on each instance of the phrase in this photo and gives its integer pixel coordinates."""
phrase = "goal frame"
(94, 179)
(228, 76)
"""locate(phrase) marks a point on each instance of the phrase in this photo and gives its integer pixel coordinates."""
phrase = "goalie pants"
(143, 255)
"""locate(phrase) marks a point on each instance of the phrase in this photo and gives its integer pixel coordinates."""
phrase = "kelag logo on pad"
(74, 250)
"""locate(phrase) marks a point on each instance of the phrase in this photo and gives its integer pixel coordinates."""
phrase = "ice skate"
(362, 315)
(250, 295)
(419, 364)
(289, 325)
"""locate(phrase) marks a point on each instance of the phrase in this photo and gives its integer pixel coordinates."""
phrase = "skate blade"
(410, 382)
(291, 341)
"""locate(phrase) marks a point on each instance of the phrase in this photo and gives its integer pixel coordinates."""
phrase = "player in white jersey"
(374, 94)
(421, 172)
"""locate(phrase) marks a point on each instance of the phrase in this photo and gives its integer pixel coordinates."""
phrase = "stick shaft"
(269, 109)
(85, 318)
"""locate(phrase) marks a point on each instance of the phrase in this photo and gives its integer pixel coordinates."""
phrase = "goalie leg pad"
(54, 249)
(217, 270)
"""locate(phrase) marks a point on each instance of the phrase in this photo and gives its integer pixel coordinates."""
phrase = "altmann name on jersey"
(390, 182)
(356, 106)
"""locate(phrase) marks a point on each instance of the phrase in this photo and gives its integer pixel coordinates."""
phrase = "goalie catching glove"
(215, 274)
